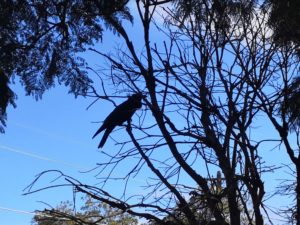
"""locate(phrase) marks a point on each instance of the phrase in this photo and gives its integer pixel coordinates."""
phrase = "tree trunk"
(235, 218)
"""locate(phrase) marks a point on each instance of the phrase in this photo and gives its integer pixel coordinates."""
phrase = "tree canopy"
(284, 17)
(214, 76)
(39, 42)
(90, 213)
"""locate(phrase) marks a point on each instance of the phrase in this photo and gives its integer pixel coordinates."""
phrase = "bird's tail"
(105, 136)
(98, 131)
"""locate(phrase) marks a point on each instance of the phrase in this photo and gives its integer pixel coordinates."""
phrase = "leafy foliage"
(291, 104)
(90, 213)
(212, 80)
(6, 96)
(39, 42)
(223, 12)
(284, 18)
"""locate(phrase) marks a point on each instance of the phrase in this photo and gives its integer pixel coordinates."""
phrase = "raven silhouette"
(119, 115)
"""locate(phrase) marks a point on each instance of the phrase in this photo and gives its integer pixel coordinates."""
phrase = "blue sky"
(55, 133)
(52, 133)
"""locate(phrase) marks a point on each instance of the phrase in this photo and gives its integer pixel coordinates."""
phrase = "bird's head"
(136, 99)
(138, 96)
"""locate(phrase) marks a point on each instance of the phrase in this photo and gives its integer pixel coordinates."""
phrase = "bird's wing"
(119, 115)
(112, 118)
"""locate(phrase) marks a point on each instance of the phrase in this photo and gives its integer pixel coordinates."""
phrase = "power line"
(21, 152)
(16, 211)
(49, 134)
(36, 213)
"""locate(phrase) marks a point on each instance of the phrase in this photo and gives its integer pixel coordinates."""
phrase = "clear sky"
(53, 133)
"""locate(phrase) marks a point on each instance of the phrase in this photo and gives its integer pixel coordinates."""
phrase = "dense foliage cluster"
(39, 42)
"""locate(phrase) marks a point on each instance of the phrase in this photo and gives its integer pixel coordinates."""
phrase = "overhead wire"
(36, 130)
(39, 157)
(35, 213)
(48, 134)
(16, 210)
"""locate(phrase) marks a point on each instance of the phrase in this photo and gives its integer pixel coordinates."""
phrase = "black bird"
(119, 115)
